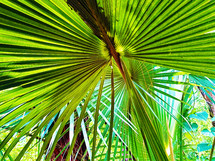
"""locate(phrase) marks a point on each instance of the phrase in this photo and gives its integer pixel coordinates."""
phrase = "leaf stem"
(112, 113)
(212, 150)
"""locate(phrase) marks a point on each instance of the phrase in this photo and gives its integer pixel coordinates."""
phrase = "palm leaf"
(54, 52)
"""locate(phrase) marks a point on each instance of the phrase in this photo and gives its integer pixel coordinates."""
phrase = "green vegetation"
(107, 80)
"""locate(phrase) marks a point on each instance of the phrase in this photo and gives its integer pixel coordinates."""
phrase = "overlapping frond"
(49, 58)
(54, 54)
(173, 34)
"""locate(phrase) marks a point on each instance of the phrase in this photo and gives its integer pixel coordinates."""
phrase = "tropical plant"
(116, 72)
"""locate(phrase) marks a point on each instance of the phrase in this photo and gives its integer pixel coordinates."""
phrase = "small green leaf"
(203, 147)
(206, 132)
(200, 116)
(213, 130)
(191, 127)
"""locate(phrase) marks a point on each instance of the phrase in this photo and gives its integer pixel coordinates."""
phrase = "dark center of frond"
(95, 18)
